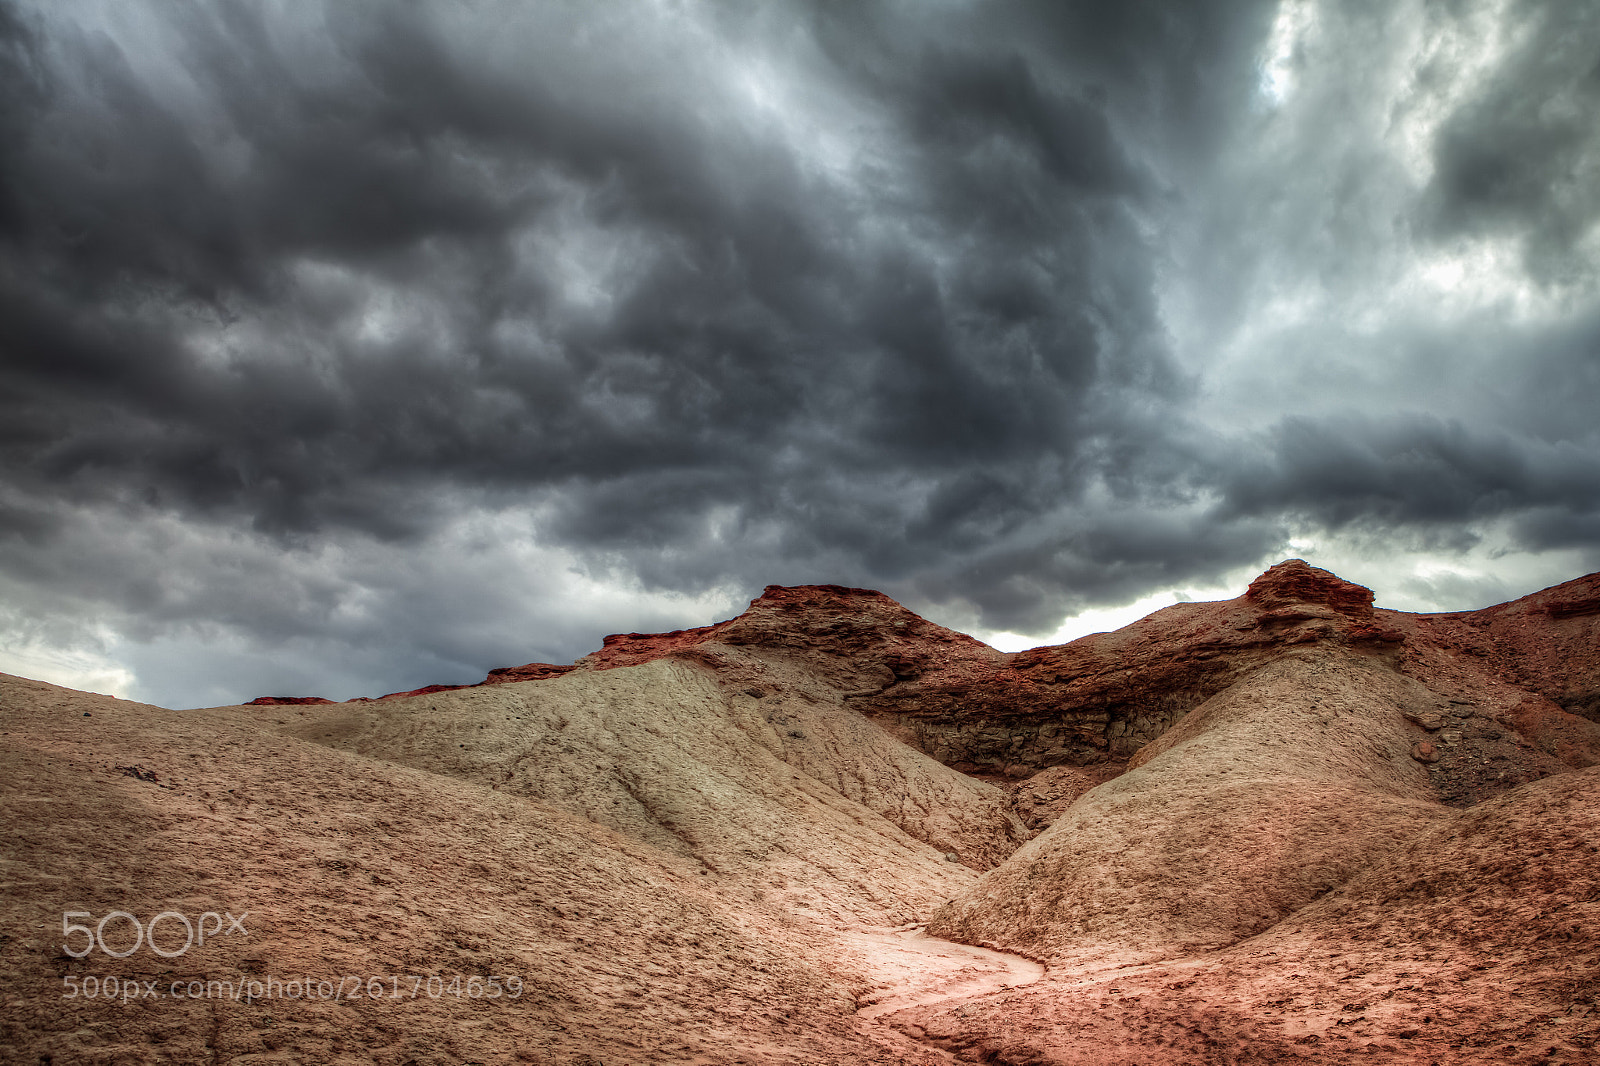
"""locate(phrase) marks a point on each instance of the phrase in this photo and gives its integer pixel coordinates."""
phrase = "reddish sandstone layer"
(1548, 643)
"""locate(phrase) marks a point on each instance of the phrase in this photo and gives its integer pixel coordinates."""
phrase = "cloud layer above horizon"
(346, 347)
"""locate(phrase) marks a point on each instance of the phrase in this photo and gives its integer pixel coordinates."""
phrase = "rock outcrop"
(1295, 583)
(1547, 642)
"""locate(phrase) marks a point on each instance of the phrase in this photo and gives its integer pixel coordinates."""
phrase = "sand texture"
(1289, 827)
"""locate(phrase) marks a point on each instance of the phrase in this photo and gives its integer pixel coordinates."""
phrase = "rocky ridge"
(1510, 680)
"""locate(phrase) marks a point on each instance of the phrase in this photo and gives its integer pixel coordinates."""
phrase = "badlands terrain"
(1284, 828)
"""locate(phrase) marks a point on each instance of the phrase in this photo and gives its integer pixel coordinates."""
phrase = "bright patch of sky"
(75, 666)
(1109, 619)
(1295, 20)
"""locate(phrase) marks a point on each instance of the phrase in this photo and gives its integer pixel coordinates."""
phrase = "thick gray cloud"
(1521, 156)
(316, 321)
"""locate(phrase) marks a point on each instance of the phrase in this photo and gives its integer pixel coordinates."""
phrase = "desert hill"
(1289, 827)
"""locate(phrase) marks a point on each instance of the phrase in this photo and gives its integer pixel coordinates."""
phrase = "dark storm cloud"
(969, 309)
(711, 296)
(1425, 473)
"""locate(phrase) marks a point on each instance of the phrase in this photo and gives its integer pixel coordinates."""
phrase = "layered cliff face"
(1106, 695)
(1546, 643)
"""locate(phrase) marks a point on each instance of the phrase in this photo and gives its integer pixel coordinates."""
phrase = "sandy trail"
(909, 968)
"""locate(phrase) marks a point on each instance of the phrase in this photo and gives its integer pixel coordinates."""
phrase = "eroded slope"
(1478, 941)
(350, 866)
(771, 783)
(1263, 798)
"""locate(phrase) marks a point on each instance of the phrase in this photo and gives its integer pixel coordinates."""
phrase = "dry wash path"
(909, 968)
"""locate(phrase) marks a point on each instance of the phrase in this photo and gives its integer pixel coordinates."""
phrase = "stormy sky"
(351, 346)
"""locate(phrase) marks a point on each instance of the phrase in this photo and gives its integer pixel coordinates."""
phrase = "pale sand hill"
(1259, 801)
(350, 865)
(771, 785)
(1476, 941)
